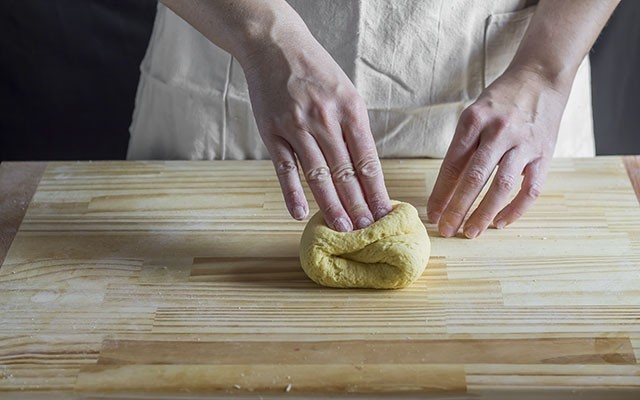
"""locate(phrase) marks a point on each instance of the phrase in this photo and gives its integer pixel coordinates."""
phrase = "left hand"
(513, 125)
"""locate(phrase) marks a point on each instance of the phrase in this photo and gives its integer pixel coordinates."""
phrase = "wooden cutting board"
(182, 278)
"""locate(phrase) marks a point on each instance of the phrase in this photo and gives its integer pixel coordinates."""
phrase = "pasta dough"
(391, 253)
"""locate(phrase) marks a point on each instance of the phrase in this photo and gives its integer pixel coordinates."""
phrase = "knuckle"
(454, 214)
(475, 176)
(533, 191)
(318, 175)
(344, 173)
(354, 110)
(268, 127)
(297, 118)
(483, 152)
(436, 203)
(292, 196)
(369, 167)
(494, 135)
(504, 182)
(286, 168)
(333, 210)
(471, 118)
(321, 114)
(358, 209)
(483, 216)
(501, 123)
(450, 171)
(378, 201)
(353, 97)
(515, 214)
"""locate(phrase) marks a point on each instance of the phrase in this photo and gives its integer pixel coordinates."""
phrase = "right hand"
(306, 107)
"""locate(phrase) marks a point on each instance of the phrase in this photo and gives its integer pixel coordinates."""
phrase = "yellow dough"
(391, 253)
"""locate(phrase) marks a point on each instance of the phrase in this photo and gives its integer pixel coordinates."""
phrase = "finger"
(343, 174)
(509, 169)
(474, 178)
(464, 142)
(362, 149)
(534, 175)
(286, 167)
(319, 179)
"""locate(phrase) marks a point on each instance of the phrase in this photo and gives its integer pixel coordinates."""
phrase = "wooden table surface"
(182, 278)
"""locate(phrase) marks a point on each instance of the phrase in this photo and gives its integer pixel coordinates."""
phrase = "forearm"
(559, 36)
(241, 27)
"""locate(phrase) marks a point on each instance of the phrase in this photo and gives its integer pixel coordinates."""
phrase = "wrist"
(555, 76)
(269, 35)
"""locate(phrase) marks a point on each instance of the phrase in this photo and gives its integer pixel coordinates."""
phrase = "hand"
(305, 106)
(512, 126)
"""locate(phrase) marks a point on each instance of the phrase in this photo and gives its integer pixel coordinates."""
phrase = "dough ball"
(391, 253)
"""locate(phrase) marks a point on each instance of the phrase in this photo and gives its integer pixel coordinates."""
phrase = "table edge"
(18, 183)
(632, 165)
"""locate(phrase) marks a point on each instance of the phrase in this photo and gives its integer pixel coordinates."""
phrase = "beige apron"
(417, 64)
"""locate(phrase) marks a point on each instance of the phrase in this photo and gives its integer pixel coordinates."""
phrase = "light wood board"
(183, 278)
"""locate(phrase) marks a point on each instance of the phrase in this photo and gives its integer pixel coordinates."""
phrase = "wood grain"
(149, 279)
(460, 351)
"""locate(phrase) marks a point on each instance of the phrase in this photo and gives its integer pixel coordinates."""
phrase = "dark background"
(69, 73)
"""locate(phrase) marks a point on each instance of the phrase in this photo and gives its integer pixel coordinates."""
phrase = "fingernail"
(471, 232)
(381, 212)
(298, 212)
(447, 230)
(342, 225)
(363, 222)
(500, 224)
